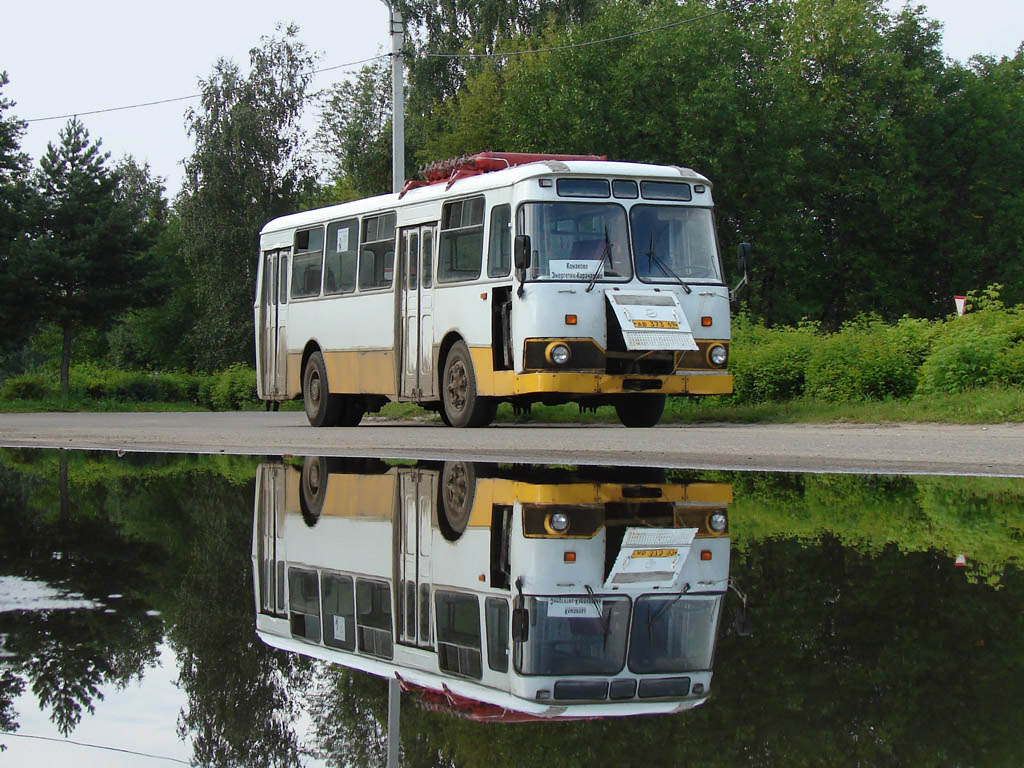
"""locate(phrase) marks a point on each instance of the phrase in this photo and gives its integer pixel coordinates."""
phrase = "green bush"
(975, 350)
(28, 386)
(234, 388)
(204, 392)
(769, 363)
(868, 360)
(1008, 365)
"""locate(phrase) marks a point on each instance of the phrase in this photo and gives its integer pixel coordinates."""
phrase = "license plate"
(654, 553)
(655, 324)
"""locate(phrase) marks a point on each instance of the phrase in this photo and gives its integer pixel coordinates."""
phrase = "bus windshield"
(574, 636)
(672, 633)
(576, 241)
(674, 241)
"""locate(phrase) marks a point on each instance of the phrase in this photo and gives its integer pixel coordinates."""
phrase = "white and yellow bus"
(551, 280)
(510, 596)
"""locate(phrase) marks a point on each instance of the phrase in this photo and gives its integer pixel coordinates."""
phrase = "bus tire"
(458, 492)
(640, 410)
(351, 412)
(322, 408)
(315, 470)
(462, 406)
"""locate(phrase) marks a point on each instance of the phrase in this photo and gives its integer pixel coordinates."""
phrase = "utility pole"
(397, 29)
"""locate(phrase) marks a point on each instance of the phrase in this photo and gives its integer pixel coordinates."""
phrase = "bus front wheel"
(322, 408)
(640, 410)
(463, 407)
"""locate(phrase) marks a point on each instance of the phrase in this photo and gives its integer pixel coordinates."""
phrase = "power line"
(183, 98)
(92, 746)
(507, 54)
(574, 45)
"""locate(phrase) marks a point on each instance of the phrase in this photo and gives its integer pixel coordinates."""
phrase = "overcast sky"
(77, 57)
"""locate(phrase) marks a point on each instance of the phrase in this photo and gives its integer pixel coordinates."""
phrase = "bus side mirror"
(743, 265)
(743, 258)
(520, 616)
(522, 251)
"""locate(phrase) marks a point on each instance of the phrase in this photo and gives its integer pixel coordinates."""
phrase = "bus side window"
(373, 619)
(304, 603)
(461, 251)
(496, 614)
(307, 264)
(340, 260)
(377, 252)
(339, 621)
(283, 282)
(458, 633)
(499, 247)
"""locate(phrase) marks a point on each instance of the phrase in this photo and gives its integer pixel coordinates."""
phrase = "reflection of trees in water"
(51, 533)
(67, 655)
(243, 697)
(166, 532)
(350, 717)
(11, 687)
(349, 710)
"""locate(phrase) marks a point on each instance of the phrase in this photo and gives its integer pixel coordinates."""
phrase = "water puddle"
(231, 610)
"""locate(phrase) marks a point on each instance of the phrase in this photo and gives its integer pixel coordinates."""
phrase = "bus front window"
(575, 241)
(674, 241)
(673, 633)
(574, 636)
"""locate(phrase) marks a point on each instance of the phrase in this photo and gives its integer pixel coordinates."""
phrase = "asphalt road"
(889, 448)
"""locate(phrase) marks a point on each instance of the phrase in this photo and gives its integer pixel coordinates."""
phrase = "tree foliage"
(87, 257)
(15, 194)
(355, 130)
(861, 164)
(251, 163)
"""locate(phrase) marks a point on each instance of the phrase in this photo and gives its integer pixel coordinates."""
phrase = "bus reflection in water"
(496, 593)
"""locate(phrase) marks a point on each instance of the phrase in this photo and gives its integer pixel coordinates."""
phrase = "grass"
(978, 406)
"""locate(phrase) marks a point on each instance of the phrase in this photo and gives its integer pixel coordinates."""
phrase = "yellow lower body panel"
(369, 371)
(373, 372)
(506, 383)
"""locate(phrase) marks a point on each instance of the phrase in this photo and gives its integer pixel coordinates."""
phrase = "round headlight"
(559, 522)
(718, 355)
(558, 354)
(717, 522)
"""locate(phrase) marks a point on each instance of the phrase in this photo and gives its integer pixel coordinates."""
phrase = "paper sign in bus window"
(575, 269)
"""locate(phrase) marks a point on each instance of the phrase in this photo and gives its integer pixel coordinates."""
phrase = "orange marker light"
(705, 321)
(569, 557)
(570, 319)
(705, 554)
(483, 295)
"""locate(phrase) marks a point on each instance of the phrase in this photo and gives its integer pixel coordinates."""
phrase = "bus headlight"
(717, 522)
(559, 522)
(557, 353)
(717, 355)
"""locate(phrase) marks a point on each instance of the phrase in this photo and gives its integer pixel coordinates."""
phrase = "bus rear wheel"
(640, 410)
(462, 406)
(351, 412)
(322, 408)
(457, 492)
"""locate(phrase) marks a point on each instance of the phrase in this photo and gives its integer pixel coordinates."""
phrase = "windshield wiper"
(665, 606)
(600, 614)
(652, 256)
(600, 261)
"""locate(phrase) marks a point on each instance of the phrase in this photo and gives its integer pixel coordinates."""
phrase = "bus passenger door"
(416, 324)
(273, 354)
(270, 505)
(417, 491)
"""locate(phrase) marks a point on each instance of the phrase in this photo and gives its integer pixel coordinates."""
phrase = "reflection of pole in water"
(394, 711)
